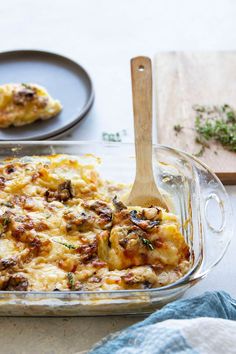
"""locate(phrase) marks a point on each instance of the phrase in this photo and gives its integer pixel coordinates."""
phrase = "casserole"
(196, 196)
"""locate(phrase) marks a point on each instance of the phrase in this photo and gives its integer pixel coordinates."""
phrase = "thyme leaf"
(178, 128)
(6, 221)
(68, 245)
(71, 281)
(147, 243)
(114, 137)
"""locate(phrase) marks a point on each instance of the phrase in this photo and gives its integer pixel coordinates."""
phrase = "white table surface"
(103, 36)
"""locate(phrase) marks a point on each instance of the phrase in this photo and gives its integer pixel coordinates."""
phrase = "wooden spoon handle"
(141, 75)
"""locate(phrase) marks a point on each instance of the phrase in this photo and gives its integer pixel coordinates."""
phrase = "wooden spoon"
(144, 191)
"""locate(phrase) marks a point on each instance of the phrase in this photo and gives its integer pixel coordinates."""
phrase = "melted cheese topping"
(63, 228)
(22, 104)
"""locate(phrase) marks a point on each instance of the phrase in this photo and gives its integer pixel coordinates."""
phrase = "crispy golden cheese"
(63, 228)
(22, 104)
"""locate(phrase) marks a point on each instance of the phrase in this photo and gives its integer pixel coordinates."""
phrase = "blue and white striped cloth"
(202, 325)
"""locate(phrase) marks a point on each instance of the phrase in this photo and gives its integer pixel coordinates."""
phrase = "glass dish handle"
(217, 227)
(211, 199)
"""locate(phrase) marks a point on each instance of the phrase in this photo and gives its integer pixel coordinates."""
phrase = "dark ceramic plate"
(63, 78)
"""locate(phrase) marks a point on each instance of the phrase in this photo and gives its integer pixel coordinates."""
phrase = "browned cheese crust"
(64, 228)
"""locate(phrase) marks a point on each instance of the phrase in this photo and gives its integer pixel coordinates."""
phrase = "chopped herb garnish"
(114, 137)
(216, 123)
(71, 281)
(68, 245)
(147, 243)
(111, 137)
(6, 221)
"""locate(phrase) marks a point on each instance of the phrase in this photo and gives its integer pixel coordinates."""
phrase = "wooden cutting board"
(184, 79)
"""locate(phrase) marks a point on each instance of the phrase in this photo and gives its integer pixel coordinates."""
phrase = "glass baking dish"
(195, 194)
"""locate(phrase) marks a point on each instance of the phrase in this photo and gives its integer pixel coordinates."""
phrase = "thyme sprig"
(213, 123)
(217, 123)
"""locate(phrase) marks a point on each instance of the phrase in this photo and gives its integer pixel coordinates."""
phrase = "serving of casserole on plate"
(70, 245)
(22, 104)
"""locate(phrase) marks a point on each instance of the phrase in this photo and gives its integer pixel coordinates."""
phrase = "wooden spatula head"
(144, 192)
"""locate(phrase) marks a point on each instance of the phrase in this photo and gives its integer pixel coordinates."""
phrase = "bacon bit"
(100, 208)
(19, 227)
(18, 231)
(29, 225)
(95, 205)
(63, 193)
(35, 243)
(157, 267)
(41, 226)
(78, 286)
(130, 253)
(87, 251)
(104, 212)
(46, 246)
(128, 278)
(74, 268)
(158, 243)
(7, 263)
(81, 222)
(17, 282)
(4, 281)
(98, 264)
(95, 279)
(10, 169)
(2, 182)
